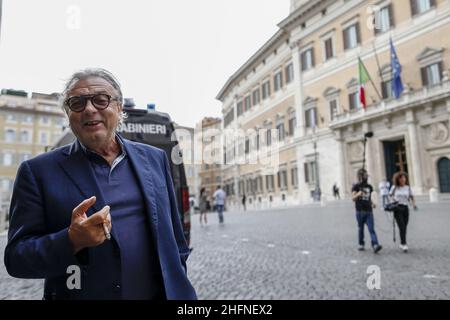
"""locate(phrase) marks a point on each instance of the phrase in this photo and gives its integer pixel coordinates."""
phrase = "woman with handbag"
(401, 193)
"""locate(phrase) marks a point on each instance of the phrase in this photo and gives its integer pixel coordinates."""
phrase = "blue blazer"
(50, 186)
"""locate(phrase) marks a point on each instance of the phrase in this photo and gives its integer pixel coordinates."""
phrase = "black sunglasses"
(100, 101)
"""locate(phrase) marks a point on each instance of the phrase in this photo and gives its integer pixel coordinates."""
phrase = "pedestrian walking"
(244, 199)
(203, 206)
(362, 196)
(336, 192)
(402, 194)
(384, 187)
(219, 200)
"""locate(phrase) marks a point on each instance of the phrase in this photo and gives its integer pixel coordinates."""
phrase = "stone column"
(342, 164)
(236, 168)
(298, 85)
(448, 111)
(414, 146)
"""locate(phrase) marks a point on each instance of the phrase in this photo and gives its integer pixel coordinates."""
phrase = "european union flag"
(397, 84)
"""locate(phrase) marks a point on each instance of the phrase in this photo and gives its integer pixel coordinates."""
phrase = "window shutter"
(424, 75)
(302, 61)
(432, 3)
(303, 58)
(351, 101)
(333, 107)
(346, 39)
(375, 26)
(391, 16)
(358, 33)
(330, 47)
(327, 48)
(313, 60)
(383, 90)
(305, 166)
(441, 68)
(413, 7)
(286, 73)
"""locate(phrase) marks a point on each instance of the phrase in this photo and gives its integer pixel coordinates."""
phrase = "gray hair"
(90, 73)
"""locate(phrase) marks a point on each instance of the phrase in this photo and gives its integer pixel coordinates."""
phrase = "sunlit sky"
(176, 54)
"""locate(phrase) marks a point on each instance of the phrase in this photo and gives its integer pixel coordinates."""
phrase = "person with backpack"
(401, 193)
(362, 196)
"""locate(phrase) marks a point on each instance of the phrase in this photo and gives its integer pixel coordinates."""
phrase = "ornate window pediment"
(331, 92)
(352, 83)
(386, 69)
(280, 117)
(386, 72)
(310, 102)
(430, 55)
(267, 123)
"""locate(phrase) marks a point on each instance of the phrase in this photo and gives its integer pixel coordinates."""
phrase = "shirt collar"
(118, 139)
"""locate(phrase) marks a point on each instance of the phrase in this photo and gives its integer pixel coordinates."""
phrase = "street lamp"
(367, 135)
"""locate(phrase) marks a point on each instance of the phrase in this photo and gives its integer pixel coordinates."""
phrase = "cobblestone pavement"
(304, 253)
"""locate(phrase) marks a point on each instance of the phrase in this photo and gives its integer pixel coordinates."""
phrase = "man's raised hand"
(87, 231)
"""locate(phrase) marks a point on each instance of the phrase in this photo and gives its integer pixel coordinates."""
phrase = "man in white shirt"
(219, 200)
(384, 187)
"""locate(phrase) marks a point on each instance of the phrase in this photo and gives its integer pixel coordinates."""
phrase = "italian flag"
(363, 78)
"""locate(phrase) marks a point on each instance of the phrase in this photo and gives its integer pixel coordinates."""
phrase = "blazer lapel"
(77, 167)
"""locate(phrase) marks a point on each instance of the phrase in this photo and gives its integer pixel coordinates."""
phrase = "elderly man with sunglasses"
(98, 218)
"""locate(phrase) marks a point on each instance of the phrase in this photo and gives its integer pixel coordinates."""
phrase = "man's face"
(363, 177)
(94, 127)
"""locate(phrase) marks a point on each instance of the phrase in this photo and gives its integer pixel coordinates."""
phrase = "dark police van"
(156, 129)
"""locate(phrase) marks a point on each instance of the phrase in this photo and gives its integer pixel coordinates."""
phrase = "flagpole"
(371, 81)
(390, 56)
(376, 57)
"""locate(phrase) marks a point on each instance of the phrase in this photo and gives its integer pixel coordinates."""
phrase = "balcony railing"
(410, 97)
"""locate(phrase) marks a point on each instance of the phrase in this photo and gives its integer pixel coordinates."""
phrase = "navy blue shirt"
(141, 271)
